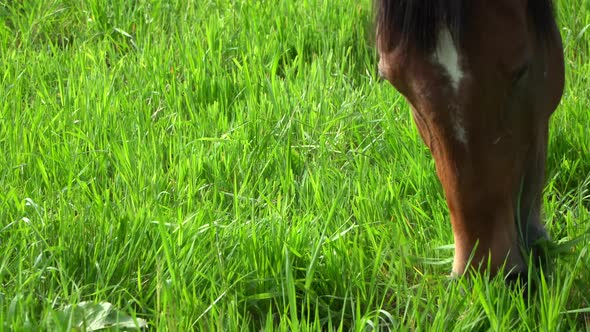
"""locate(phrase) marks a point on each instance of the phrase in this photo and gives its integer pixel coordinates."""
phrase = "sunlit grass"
(234, 165)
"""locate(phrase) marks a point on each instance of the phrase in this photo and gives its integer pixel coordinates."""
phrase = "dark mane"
(543, 17)
(418, 21)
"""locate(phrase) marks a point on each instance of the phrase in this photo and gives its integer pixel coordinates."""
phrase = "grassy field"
(237, 165)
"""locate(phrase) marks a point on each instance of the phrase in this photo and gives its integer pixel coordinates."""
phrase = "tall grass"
(234, 165)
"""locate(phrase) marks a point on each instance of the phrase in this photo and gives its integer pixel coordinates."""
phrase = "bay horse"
(482, 78)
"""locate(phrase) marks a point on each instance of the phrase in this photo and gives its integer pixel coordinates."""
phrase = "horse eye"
(520, 73)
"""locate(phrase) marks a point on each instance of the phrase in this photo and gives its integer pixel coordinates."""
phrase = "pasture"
(238, 165)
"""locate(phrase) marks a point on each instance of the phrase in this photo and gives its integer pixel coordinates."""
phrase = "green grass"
(234, 165)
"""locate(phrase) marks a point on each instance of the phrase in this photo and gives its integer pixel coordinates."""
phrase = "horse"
(482, 78)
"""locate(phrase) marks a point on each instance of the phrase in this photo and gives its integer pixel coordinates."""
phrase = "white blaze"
(447, 57)
(460, 131)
